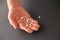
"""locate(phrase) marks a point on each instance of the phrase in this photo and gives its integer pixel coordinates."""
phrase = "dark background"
(49, 10)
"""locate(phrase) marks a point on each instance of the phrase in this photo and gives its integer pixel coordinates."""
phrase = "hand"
(18, 19)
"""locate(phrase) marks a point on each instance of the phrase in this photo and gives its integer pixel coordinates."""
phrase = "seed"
(32, 21)
(39, 16)
(31, 24)
(26, 24)
(21, 17)
(27, 20)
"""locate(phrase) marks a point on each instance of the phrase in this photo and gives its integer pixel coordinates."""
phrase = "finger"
(25, 28)
(34, 26)
(13, 22)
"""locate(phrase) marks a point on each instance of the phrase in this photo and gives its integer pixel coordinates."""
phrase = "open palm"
(14, 17)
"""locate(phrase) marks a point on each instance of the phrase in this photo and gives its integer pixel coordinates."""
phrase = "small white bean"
(39, 16)
(26, 24)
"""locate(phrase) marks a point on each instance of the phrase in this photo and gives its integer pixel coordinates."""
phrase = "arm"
(13, 3)
(15, 12)
(14, 16)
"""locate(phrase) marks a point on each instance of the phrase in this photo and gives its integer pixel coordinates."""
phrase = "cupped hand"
(20, 18)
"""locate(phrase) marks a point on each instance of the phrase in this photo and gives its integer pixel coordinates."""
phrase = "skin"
(15, 12)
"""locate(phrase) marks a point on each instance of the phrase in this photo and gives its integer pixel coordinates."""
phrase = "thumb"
(13, 22)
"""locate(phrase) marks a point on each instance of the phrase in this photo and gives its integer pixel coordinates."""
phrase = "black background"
(49, 10)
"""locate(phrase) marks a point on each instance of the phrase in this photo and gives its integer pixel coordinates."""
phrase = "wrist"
(18, 7)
